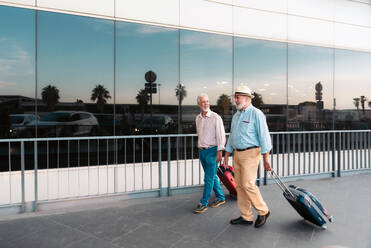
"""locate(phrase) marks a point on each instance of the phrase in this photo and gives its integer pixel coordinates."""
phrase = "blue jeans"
(208, 161)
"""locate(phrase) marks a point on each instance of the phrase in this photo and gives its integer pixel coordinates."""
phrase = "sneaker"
(199, 209)
(217, 203)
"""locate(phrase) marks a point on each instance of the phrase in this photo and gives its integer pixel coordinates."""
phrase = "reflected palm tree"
(363, 100)
(223, 104)
(101, 95)
(257, 101)
(356, 103)
(180, 93)
(50, 96)
(142, 99)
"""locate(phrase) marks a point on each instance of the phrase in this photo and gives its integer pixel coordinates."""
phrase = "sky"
(76, 53)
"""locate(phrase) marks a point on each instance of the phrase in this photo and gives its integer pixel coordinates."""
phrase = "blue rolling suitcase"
(305, 203)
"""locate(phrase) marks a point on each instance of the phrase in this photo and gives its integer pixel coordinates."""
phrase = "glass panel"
(17, 73)
(75, 75)
(261, 65)
(310, 88)
(140, 49)
(205, 67)
(352, 89)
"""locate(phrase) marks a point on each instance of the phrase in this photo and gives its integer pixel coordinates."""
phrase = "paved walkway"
(169, 222)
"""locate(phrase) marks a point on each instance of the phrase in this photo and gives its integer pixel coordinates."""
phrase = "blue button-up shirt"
(249, 128)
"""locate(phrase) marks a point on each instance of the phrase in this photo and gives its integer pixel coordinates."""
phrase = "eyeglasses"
(238, 96)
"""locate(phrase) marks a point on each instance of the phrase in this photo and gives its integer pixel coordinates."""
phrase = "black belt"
(248, 148)
(205, 148)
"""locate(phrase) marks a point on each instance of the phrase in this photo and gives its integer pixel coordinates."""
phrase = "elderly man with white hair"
(211, 141)
(249, 140)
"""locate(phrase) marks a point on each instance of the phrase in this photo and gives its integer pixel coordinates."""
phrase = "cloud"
(5, 84)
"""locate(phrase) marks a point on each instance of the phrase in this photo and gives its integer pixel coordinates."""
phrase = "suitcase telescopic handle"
(280, 184)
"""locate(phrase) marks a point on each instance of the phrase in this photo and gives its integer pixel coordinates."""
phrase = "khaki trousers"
(245, 170)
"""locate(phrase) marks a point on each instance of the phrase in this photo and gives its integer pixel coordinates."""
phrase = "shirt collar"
(208, 114)
(246, 109)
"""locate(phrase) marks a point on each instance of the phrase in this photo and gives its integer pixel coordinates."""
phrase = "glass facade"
(17, 73)
(310, 87)
(205, 67)
(352, 90)
(90, 78)
(262, 66)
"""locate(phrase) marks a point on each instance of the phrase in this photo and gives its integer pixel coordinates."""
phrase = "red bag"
(226, 175)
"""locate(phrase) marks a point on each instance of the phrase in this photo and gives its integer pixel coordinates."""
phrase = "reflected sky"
(261, 65)
(205, 65)
(141, 48)
(309, 65)
(75, 54)
(352, 77)
(17, 52)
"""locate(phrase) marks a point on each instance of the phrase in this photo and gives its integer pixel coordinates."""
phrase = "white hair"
(201, 96)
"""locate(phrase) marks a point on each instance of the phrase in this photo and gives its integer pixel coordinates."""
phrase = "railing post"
(35, 208)
(168, 167)
(339, 156)
(162, 193)
(22, 178)
(333, 153)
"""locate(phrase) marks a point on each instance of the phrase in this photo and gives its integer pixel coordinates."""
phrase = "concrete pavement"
(169, 222)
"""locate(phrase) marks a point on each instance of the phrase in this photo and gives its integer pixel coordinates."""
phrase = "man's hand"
(219, 156)
(226, 157)
(267, 164)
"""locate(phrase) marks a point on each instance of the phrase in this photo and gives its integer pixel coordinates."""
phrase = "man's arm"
(264, 140)
(220, 138)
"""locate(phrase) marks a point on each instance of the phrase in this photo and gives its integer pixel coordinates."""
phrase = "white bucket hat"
(243, 90)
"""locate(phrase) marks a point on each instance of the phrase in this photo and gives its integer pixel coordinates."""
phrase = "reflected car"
(19, 122)
(161, 124)
(66, 124)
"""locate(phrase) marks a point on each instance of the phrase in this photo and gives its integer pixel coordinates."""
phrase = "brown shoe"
(261, 219)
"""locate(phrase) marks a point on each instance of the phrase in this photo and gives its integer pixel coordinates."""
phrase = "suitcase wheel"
(331, 219)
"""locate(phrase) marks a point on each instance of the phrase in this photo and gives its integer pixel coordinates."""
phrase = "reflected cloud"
(14, 58)
(243, 42)
(132, 29)
(5, 84)
(146, 29)
(206, 42)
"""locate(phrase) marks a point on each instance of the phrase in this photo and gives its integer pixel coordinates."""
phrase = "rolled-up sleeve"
(229, 147)
(263, 134)
(220, 134)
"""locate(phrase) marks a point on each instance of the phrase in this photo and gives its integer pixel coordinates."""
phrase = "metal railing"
(38, 171)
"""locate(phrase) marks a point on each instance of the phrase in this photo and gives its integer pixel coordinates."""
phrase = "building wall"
(333, 23)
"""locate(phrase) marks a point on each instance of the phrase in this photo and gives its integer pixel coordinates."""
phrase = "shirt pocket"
(247, 126)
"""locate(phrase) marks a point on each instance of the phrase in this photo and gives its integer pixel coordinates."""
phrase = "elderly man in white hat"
(249, 139)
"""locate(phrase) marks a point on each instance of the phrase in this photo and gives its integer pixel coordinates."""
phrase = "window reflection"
(17, 72)
(310, 88)
(261, 65)
(75, 76)
(352, 90)
(205, 67)
(141, 49)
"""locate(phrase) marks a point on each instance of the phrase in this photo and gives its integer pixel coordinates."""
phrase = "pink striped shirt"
(210, 130)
